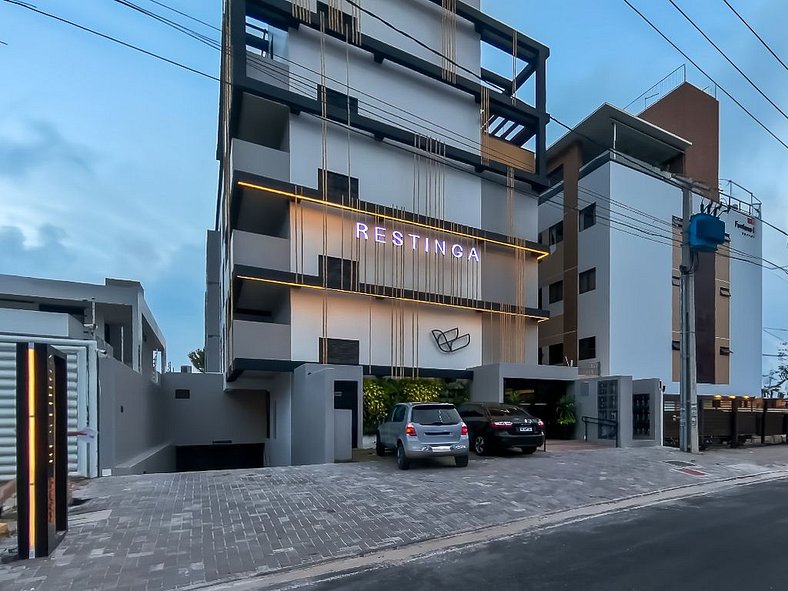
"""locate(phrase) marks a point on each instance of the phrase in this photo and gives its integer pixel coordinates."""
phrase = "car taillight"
(500, 424)
(541, 424)
(464, 429)
(410, 430)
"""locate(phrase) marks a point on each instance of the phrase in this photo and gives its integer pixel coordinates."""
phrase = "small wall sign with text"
(415, 241)
(747, 229)
(450, 341)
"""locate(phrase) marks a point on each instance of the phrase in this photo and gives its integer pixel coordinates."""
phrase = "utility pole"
(688, 429)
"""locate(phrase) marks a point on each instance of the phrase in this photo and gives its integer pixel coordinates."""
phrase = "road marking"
(331, 569)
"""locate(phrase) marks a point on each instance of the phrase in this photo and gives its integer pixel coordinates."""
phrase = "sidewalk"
(169, 531)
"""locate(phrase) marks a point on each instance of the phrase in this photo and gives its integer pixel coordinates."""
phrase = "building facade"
(377, 211)
(613, 222)
(102, 329)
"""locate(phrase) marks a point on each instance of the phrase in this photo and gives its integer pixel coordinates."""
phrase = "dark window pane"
(587, 280)
(507, 410)
(556, 292)
(435, 415)
(341, 187)
(556, 233)
(587, 348)
(588, 217)
(555, 354)
(339, 351)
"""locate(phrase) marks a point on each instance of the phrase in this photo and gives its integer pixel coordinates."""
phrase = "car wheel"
(461, 461)
(403, 463)
(379, 449)
(528, 450)
(480, 445)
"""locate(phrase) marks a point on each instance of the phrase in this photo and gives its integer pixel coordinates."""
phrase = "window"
(471, 412)
(341, 273)
(725, 292)
(556, 233)
(725, 351)
(556, 292)
(587, 280)
(399, 414)
(555, 354)
(339, 351)
(587, 348)
(507, 410)
(539, 291)
(676, 345)
(340, 186)
(435, 415)
(588, 217)
(182, 394)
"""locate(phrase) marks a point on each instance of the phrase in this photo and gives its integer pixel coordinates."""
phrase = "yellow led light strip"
(31, 448)
(375, 295)
(246, 185)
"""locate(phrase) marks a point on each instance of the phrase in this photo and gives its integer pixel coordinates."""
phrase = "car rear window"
(435, 415)
(507, 411)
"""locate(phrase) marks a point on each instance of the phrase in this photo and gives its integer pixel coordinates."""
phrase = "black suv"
(497, 425)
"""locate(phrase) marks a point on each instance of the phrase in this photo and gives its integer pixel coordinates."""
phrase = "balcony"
(258, 159)
(261, 340)
(260, 250)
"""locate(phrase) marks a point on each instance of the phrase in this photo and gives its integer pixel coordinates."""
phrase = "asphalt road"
(737, 540)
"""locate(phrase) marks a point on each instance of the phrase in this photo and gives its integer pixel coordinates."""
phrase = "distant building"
(87, 322)
(613, 224)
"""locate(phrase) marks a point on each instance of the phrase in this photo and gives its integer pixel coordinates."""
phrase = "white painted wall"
(641, 298)
(386, 173)
(349, 318)
(35, 323)
(594, 308)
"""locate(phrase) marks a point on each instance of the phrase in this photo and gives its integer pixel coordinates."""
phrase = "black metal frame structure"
(41, 468)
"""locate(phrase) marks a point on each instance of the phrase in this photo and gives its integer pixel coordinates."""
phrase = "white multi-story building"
(613, 223)
(377, 211)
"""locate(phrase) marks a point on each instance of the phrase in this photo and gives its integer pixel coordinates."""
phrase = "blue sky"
(107, 156)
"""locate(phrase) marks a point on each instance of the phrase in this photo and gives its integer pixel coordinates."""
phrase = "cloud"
(42, 147)
(48, 257)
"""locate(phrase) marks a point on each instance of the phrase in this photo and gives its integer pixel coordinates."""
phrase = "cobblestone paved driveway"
(165, 531)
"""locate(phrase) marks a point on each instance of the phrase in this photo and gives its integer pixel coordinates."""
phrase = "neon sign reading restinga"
(415, 241)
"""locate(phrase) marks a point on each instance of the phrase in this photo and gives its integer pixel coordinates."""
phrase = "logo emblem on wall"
(450, 341)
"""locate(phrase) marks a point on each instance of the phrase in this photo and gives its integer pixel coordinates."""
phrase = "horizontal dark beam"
(496, 79)
(244, 364)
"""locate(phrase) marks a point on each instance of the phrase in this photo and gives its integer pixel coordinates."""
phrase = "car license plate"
(526, 429)
(441, 447)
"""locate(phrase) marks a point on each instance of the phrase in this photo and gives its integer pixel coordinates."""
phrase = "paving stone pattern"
(168, 531)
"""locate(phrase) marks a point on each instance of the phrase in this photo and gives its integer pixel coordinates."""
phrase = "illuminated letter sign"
(416, 242)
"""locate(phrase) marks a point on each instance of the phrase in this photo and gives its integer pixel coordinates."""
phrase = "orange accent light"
(541, 254)
(31, 447)
(376, 295)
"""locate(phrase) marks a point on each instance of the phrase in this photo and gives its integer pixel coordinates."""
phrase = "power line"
(729, 60)
(646, 233)
(111, 38)
(190, 17)
(694, 63)
(741, 18)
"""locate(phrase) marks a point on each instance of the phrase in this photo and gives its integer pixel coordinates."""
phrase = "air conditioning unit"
(186, 368)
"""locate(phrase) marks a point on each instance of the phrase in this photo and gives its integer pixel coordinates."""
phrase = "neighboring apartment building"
(613, 224)
(377, 210)
(89, 323)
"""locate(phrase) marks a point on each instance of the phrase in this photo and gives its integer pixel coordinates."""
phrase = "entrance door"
(346, 398)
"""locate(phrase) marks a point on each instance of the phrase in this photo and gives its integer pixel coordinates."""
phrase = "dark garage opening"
(219, 456)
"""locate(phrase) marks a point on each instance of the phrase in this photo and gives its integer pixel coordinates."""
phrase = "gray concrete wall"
(312, 408)
(133, 422)
(210, 414)
(312, 415)
(278, 444)
(487, 384)
(213, 257)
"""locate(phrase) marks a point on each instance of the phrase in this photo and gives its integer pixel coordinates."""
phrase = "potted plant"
(565, 416)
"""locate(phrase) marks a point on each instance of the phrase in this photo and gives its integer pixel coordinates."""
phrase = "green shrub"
(376, 404)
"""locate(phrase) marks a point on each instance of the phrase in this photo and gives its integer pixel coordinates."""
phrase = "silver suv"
(423, 430)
